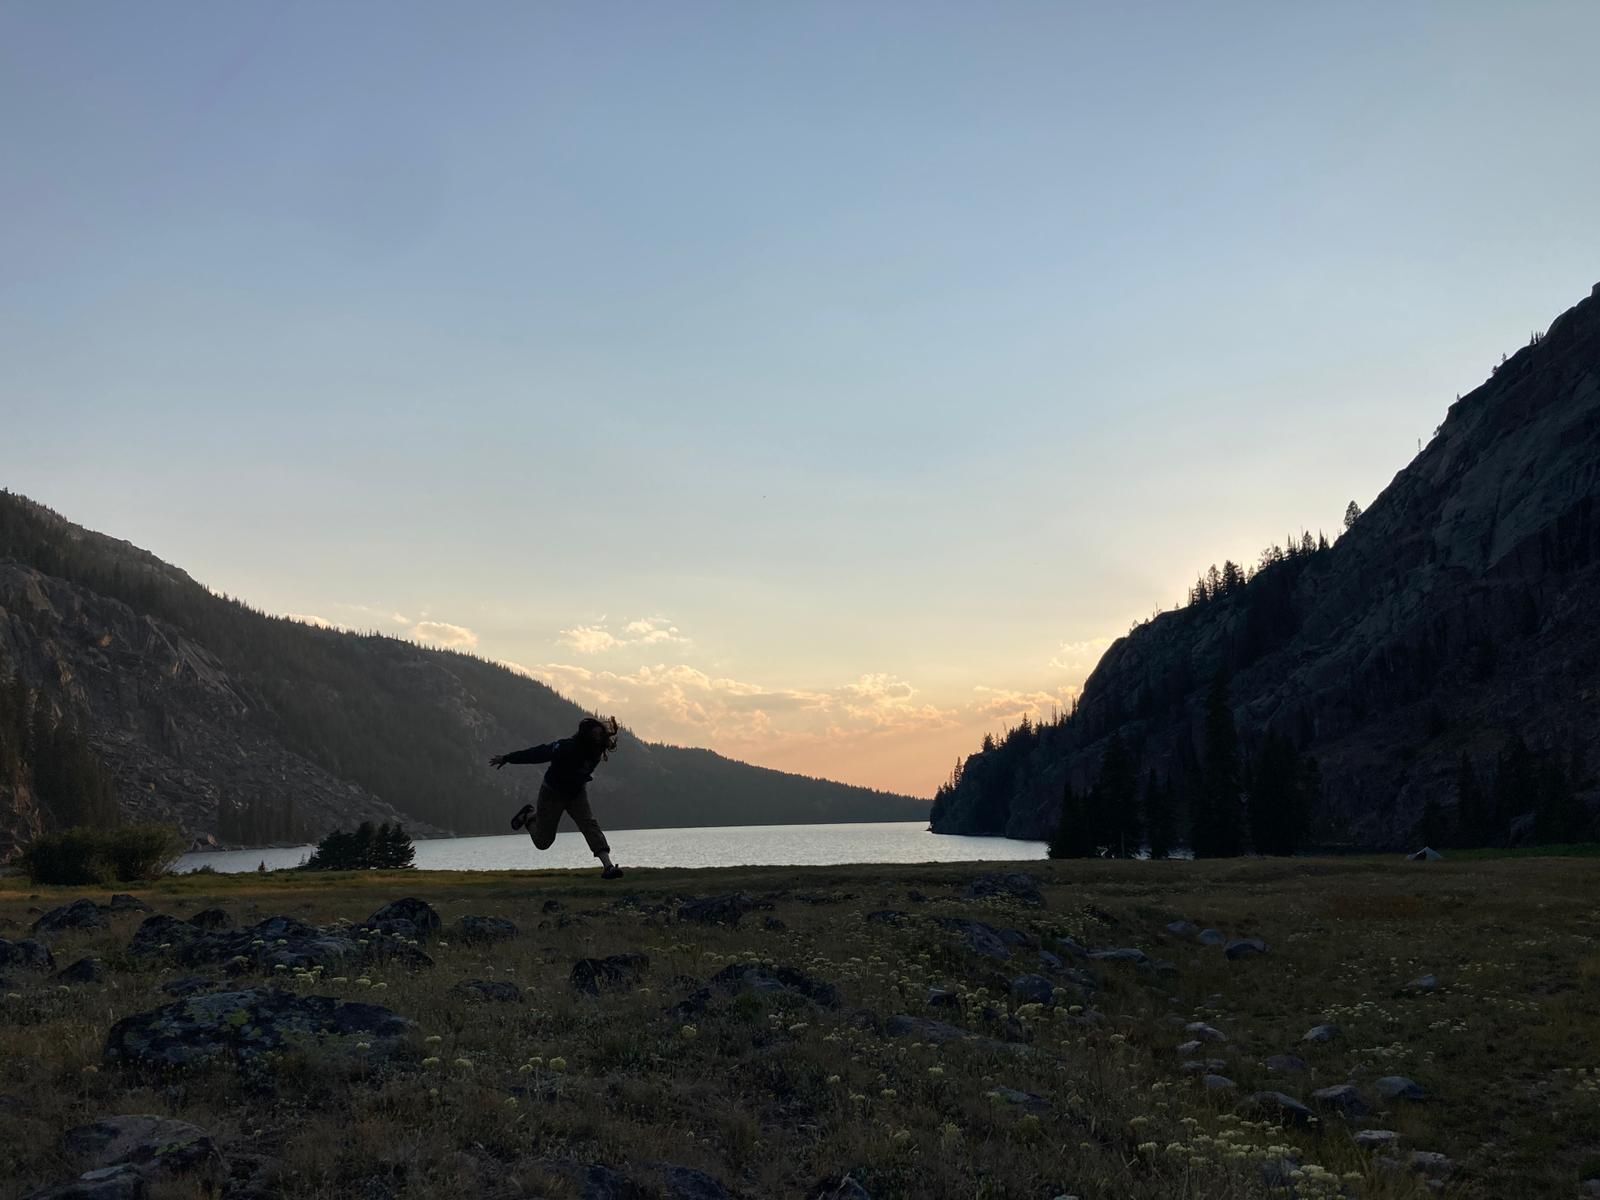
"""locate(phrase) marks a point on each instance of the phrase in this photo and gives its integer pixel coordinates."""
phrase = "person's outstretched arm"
(533, 754)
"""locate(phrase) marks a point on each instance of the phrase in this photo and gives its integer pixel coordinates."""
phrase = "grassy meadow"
(774, 1095)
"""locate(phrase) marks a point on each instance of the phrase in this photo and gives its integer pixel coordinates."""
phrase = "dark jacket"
(572, 763)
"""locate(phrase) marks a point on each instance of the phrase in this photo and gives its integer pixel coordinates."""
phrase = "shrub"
(91, 855)
(384, 848)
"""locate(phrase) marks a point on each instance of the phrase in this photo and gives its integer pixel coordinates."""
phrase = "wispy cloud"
(310, 619)
(1080, 657)
(1012, 705)
(440, 633)
(646, 631)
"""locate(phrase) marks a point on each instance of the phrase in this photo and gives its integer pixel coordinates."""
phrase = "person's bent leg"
(583, 818)
(546, 817)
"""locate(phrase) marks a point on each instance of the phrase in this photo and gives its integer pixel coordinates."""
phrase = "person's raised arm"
(533, 754)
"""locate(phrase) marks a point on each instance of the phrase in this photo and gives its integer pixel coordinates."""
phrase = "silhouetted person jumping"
(565, 788)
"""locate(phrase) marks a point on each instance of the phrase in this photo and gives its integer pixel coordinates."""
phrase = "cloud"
(589, 639)
(680, 702)
(1080, 656)
(439, 633)
(309, 619)
(1012, 704)
(646, 631)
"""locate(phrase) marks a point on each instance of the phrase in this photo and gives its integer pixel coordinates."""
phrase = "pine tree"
(1115, 800)
(397, 851)
(1074, 838)
(1217, 830)
(1352, 514)
(1275, 798)
(1158, 817)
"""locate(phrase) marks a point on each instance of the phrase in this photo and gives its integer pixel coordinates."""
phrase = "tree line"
(384, 848)
(1262, 803)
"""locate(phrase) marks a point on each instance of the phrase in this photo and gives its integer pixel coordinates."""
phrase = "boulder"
(719, 910)
(616, 972)
(1377, 1139)
(688, 1183)
(110, 1183)
(265, 946)
(943, 998)
(1203, 1066)
(981, 939)
(482, 931)
(27, 955)
(1422, 985)
(1121, 954)
(85, 970)
(1429, 1163)
(1014, 885)
(122, 902)
(1218, 1083)
(245, 1025)
(1032, 989)
(1204, 1032)
(763, 979)
(211, 918)
(1322, 1033)
(1276, 1106)
(1183, 929)
(1398, 1087)
(1211, 937)
(418, 914)
(1286, 1064)
(1344, 1098)
(154, 1146)
(80, 914)
(1244, 948)
(500, 991)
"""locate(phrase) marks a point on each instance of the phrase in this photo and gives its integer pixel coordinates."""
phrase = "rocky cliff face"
(178, 734)
(1462, 607)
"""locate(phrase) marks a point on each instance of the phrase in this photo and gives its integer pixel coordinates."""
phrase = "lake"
(722, 846)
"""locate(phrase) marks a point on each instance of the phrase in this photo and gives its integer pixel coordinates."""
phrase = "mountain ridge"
(245, 727)
(1459, 611)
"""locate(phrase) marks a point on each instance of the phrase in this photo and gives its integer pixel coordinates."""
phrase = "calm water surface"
(724, 846)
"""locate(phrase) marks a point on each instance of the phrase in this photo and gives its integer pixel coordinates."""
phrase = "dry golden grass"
(770, 1094)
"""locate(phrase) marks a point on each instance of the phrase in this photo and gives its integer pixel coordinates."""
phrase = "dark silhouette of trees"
(1277, 803)
(1352, 514)
(1074, 834)
(1216, 821)
(1114, 801)
(385, 848)
(1158, 816)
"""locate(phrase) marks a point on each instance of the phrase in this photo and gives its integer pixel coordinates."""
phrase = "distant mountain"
(1450, 638)
(129, 691)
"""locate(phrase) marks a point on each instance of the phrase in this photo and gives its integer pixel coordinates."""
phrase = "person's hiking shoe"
(521, 819)
(611, 872)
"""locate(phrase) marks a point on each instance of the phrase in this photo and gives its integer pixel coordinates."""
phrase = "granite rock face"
(1464, 602)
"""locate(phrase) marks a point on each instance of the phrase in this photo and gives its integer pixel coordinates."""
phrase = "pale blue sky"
(878, 349)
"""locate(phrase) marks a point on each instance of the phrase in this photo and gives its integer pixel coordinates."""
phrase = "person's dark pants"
(547, 815)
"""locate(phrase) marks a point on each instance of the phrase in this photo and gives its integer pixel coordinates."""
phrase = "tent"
(1426, 854)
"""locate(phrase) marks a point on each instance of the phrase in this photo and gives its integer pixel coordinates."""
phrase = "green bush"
(102, 856)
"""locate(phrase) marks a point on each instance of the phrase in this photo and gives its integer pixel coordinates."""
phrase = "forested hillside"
(194, 707)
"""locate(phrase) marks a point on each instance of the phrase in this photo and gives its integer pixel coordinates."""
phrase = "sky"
(824, 383)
